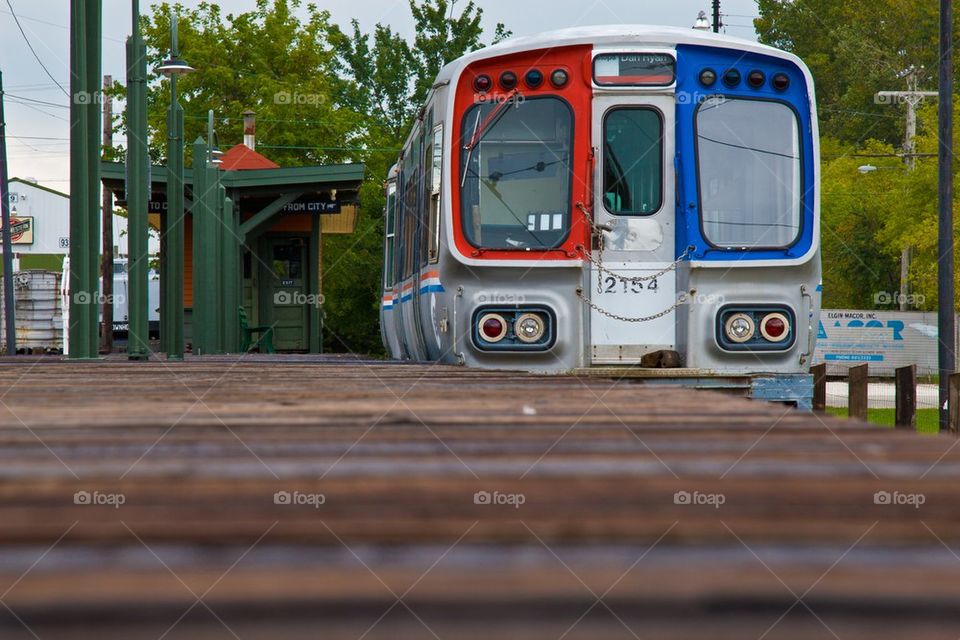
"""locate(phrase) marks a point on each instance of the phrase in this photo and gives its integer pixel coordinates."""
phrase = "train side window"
(750, 172)
(388, 267)
(633, 161)
(436, 174)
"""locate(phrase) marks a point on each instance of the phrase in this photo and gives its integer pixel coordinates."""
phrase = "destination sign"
(634, 69)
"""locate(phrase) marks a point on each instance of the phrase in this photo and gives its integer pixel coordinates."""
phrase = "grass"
(928, 420)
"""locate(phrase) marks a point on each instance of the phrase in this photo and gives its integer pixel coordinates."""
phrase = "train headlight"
(740, 327)
(774, 327)
(493, 327)
(529, 328)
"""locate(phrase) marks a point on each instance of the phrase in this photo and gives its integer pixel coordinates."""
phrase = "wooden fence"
(905, 412)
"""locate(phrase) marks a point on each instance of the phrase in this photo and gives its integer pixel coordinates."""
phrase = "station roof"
(346, 177)
(240, 157)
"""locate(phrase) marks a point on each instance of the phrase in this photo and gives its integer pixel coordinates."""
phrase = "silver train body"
(601, 196)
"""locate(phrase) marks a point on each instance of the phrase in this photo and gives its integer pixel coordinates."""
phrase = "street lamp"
(172, 271)
(702, 23)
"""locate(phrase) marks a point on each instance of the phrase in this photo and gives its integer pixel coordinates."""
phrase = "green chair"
(264, 342)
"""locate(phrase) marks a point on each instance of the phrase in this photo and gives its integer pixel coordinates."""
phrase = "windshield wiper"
(491, 119)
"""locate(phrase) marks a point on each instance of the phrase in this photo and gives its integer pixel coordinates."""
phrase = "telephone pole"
(946, 323)
(716, 16)
(911, 97)
(8, 299)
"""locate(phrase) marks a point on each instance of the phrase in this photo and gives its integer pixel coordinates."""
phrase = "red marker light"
(774, 327)
(493, 327)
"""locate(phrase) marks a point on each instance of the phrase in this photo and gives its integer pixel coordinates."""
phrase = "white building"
(40, 220)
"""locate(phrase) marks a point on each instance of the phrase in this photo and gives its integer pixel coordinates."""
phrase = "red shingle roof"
(240, 157)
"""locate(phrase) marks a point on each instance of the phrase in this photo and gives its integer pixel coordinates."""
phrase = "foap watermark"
(896, 498)
(85, 97)
(299, 499)
(695, 297)
(912, 299)
(496, 97)
(500, 297)
(496, 498)
(298, 298)
(87, 297)
(697, 498)
(697, 97)
(295, 97)
(99, 499)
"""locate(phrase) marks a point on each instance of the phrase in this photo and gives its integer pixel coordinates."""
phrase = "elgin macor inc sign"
(21, 229)
(883, 339)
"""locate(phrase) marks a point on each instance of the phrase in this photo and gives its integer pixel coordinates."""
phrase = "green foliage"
(321, 96)
(855, 49)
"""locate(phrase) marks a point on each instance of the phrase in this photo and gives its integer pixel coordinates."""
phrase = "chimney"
(250, 129)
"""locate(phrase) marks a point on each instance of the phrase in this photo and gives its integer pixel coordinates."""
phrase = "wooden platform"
(304, 497)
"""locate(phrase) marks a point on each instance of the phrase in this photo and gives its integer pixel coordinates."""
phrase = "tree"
(855, 49)
(320, 96)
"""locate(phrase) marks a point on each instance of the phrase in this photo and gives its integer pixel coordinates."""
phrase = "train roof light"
(756, 78)
(731, 77)
(559, 78)
(533, 78)
(708, 77)
(781, 81)
(482, 83)
(508, 80)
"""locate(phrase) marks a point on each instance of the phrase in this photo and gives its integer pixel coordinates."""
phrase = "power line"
(43, 102)
(27, 40)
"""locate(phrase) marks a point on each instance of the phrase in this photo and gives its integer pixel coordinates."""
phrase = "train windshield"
(515, 168)
(749, 165)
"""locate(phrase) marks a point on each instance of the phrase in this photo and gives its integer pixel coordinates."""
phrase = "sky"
(37, 134)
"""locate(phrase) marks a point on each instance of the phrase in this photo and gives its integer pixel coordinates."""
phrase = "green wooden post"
(199, 214)
(138, 193)
(230, 272)
(313, 280)
(172, 326)
(85, 66)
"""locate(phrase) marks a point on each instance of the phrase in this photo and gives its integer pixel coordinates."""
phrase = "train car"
(624, 196)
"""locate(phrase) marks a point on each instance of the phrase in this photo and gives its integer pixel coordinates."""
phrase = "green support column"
(201, 288)
(173, 274)
(230, 277)
(85, 67)
(216, 231)
(313, 280)
(164, 293)
(138, 193)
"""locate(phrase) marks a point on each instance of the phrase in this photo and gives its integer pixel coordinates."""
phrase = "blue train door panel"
(744, 156)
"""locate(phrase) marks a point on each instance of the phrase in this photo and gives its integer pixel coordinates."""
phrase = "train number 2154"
(616, 285)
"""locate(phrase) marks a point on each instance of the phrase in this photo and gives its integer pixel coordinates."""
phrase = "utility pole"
(106, 250)
(911, 97)
(8, 299)
(945, 283)
(716, 16)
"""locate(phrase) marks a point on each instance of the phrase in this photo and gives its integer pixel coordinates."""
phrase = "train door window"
(410, 209)
(436, 174)
(749, 165)
(516, 173)
(633, 161)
